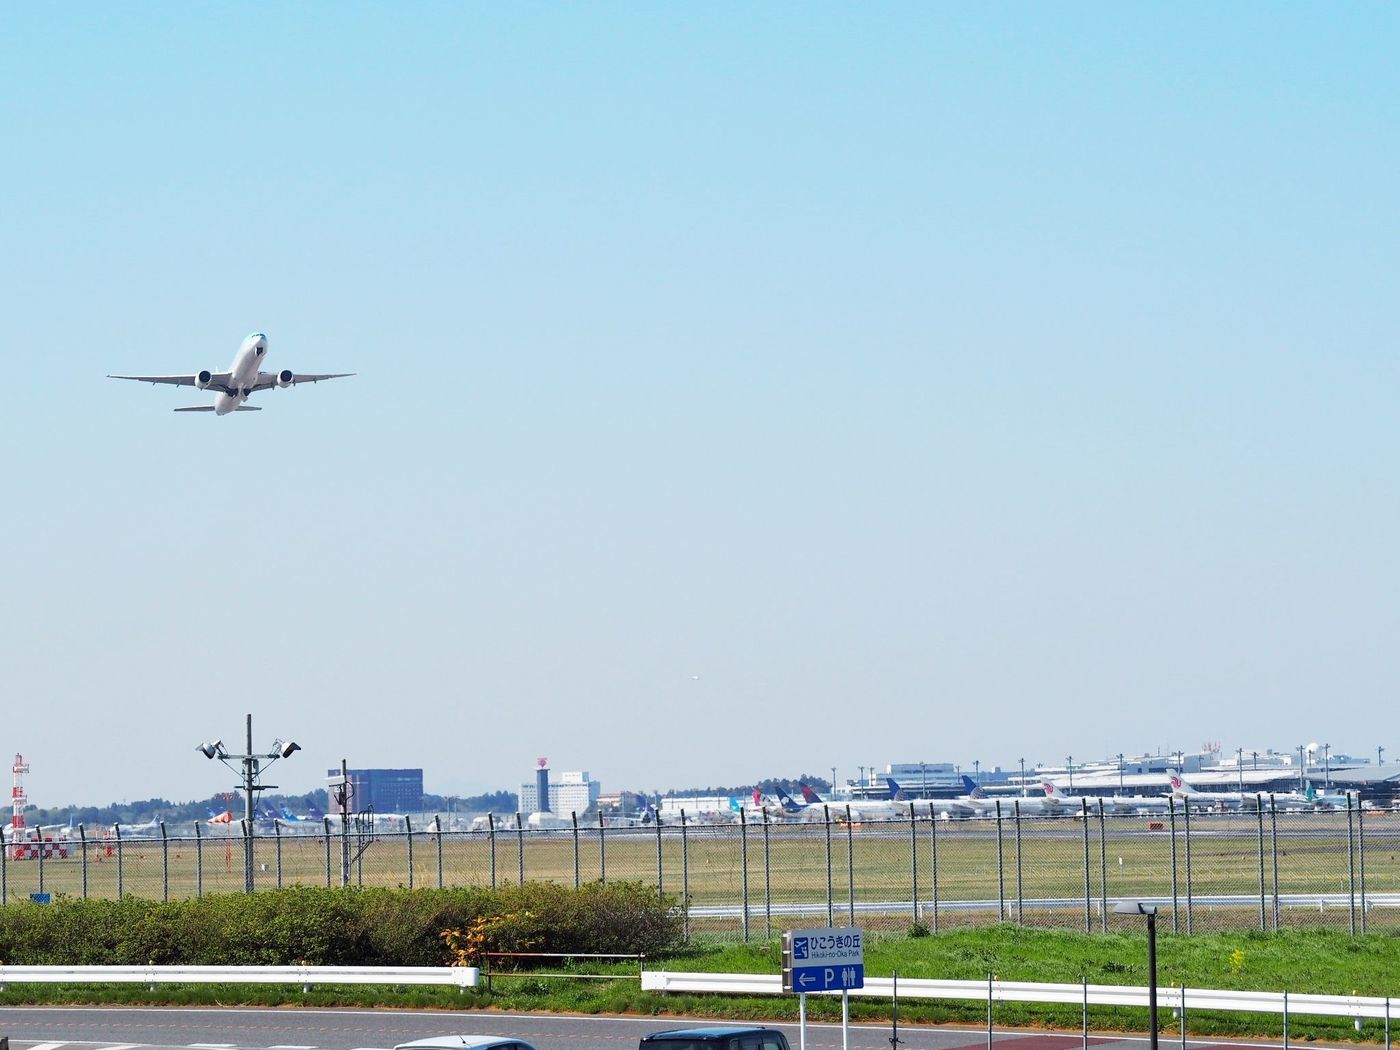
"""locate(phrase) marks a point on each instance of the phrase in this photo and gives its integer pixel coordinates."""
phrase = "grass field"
(1040, 860)
(1296, 960)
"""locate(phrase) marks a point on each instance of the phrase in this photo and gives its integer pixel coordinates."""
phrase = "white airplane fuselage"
(244, 372)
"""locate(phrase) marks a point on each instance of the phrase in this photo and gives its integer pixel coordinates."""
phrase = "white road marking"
(121, 1046)
(47, 1046)
(289, 1046)
(213, 1046)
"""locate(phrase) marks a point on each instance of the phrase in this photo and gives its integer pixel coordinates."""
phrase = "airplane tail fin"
(734, 804)
(1311, 793)
(810, 797)
(1051, 791)
(897, 793)
(974, 789)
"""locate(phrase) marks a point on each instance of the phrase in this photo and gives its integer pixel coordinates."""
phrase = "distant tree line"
(491, 802)
(791, 785)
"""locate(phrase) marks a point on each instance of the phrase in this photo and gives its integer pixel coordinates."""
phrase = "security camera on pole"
(253, 766)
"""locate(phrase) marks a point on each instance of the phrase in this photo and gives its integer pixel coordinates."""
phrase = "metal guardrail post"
(82, 850)
(277, 836)
(326, 834)
(1183, 1017)
(1186, 831)
(830, 903)
(1103, 871)
(1351, 869)
(602, 854)
(1285, 1019)
(117, 831)
(1361, 858)
(1020, 896)
(40, 833)
(164, 864)
(520, 847)
(1088, 908)
(199, 861)
(573, 816)
(491, 835)
(1001, 868)
(685, 880)
(660, 870)
(1259, 812)
(744, 870)
(850, 864)
(989, 1012)
(1084, 1016)
(437, 833)
(408, 827)
(933, 862)
(1273, 835)
(914, 862)
(1176, 917)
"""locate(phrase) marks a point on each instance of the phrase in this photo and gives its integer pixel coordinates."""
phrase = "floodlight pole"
(250, 767)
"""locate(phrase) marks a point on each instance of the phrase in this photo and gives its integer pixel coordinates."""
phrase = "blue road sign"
(824, 960)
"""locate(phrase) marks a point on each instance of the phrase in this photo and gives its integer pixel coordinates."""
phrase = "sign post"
(828, 959)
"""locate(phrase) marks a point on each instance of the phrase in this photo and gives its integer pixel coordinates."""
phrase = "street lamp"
(977, 770)
(1150, 910)
(253, 767)
(923, 780)
(1239, 766)
(1379, 752)
(1326, 767)
(1120, 774)
(1023, 777)
(1302, 768)
(1069, 762)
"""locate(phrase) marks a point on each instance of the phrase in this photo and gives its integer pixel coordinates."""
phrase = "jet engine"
(284, 378)
(201, 381)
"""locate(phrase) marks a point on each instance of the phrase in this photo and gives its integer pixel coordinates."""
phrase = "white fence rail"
(1353, 1006)
(460, 977)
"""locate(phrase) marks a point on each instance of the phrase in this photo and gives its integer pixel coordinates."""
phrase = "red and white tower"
(18, 799)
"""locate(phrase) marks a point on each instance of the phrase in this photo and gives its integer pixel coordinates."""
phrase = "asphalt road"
(117, 1028)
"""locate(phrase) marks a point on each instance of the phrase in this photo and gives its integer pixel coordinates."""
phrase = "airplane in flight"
(241, 379)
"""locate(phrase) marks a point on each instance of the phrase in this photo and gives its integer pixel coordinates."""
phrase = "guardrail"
(460, 977)
(994, 991)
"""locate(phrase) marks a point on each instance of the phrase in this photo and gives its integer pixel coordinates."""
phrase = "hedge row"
(345, 927)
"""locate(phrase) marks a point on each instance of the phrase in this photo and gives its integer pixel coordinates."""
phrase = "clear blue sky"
(741, 390)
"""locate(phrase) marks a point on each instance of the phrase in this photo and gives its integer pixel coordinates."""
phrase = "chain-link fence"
(1258, 868)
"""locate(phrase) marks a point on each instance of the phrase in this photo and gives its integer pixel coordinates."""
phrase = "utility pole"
(1379, 752)
(1023, 777)
(252, 769)
(1069, 762)
(1120, 774)
(1239, 765)
(1302, 769)
(1326, 767)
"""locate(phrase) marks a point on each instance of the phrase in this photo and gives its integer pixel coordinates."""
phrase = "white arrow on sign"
(805, 979)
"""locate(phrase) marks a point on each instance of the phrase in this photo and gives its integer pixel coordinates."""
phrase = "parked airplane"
(241, 379)
(145, 827)
(1324, 799)
(1187, 794)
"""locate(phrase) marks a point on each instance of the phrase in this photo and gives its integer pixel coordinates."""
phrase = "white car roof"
(457, 1042)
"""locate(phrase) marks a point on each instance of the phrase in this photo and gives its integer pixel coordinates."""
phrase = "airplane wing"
(217, 381)
(268, 380)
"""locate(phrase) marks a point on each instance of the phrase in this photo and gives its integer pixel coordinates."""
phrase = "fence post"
(1361, 858)
(199, 861)
(277, 831)
(744, 870)
(4, 870)
(520, 848)
(40, 843)
(767, 882)
(1176, 918)
(116, 830)
(1186, 830)
(1351, 869)
(82, 847)
(1103, 871)
(660, 886)
(914, 861)
(1088, 908)
(933, 862)
(573, 816)
(1020, 896)
(1183, 1017)
(491, 837)
(1001, 869)
(247, 855)
(408, 828)
(850, 864)
(830, 903)
(1285, 1019)
(602, 853)
(1273, 835)
(1259, 811)
(326, 835)
(437, 833)
(685, 880)
(164, 864)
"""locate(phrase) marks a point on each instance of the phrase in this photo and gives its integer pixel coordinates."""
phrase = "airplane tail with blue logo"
(897, 793)
(974, 789)
(785, 800)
